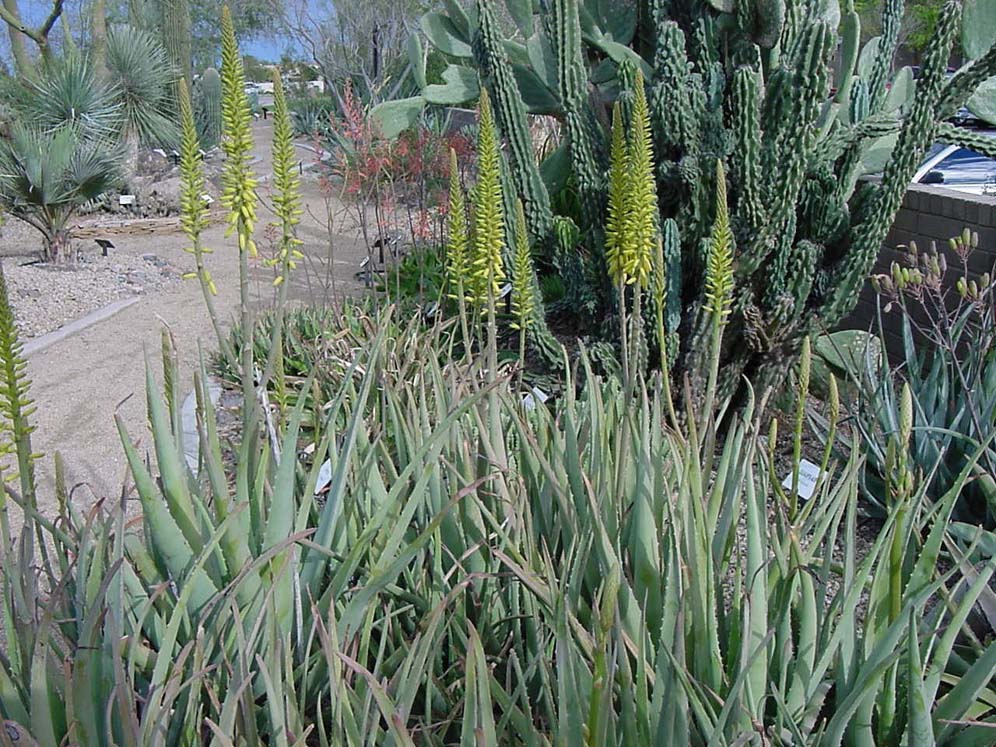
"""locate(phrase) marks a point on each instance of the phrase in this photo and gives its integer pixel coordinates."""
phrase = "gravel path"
(46, 296)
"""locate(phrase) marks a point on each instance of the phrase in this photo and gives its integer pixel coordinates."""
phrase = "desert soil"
(81, 382)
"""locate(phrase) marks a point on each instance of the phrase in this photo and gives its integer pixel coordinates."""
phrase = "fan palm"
(45, 174)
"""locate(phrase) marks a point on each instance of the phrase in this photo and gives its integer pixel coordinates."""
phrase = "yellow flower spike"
(641, 223)
(615, 223)
(457, 268)
(487, 266)
(719, 268)
(239, 194)
(523, 288)
(193, 211)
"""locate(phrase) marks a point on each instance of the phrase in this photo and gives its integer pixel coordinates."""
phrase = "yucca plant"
(142, 80)
(68, 91)
(46, 175)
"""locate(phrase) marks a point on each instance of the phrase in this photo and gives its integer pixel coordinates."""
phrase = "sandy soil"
(81, 382)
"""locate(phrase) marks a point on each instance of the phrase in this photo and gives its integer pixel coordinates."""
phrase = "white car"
(958, 168)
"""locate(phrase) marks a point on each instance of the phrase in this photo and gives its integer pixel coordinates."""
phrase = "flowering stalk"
(238, 181)
(718, 283)
(641, 219)
(659, 294)
(616, 223)
(194, 212)
(487, 264)
(457, 267)
(523, 287)
(286, 197)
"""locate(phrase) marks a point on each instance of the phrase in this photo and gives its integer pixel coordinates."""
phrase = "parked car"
(960, 169)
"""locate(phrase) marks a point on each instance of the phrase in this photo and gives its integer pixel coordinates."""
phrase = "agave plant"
(46, 175)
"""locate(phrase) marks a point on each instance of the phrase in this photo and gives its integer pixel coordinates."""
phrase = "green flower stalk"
(487, 265)
(802, 396)
(286, 193)
(658, 292)
(718, 283)
(523, 284)
(641, 219)
(457, 262)
(239, 183)
(194, 210)
(286, 199)
(615, 222)
(523, 290)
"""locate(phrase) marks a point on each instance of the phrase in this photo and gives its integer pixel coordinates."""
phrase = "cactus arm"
(964, 82)
(892, 18)
(916, 135)
(792, 107)
(850, 33)
(746, 154)
(584, 136)
(496, 72)
(176, 35)
(948, 133)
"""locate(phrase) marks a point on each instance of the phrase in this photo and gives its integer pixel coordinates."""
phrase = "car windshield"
(965, 166)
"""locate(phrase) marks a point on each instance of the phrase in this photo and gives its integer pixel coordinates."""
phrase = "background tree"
(363, 41)
(919, 22)
(18, 30)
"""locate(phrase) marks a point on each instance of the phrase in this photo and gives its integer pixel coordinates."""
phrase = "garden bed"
(45, 296)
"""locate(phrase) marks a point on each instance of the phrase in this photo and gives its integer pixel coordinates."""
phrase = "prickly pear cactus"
(748, 82)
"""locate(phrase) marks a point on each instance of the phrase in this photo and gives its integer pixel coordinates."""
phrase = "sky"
(35, 11)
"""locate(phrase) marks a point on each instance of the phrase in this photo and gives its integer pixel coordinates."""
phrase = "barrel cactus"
(752, 83)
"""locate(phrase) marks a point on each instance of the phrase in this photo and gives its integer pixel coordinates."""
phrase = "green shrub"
(312, 115)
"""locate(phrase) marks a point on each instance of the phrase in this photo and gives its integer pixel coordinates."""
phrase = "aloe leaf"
(169, 542)
(920, 730)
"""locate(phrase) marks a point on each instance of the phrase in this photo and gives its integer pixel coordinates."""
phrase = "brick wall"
(930, 213)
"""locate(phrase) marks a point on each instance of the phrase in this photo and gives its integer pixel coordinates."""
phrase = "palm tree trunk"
(131, 144)
(57, 246)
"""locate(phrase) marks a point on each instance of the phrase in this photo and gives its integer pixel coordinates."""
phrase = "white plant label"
(809, 474)
(536, 395)
(125, 200)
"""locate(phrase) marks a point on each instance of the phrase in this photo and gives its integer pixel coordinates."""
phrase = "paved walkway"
(80, 382)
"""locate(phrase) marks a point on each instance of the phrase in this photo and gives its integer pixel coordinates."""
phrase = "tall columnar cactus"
(209, 108)
(176, 36)
(745, 82)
